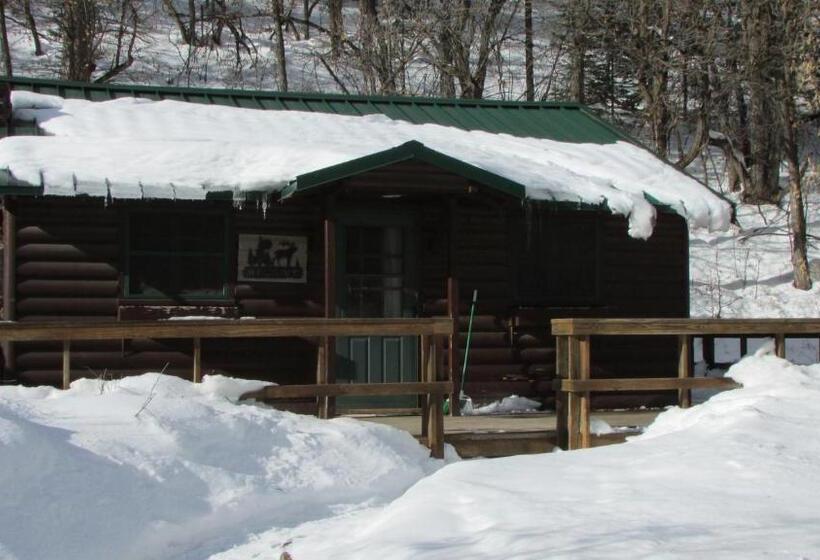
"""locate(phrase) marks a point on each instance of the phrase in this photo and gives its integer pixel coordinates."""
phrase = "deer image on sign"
(272, 258)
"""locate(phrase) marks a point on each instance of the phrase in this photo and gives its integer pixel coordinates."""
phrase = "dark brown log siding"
(69, 261)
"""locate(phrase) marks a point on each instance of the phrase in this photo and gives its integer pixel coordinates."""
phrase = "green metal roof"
(565, 122)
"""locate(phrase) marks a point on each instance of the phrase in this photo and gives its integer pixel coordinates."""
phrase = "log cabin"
(409, 230)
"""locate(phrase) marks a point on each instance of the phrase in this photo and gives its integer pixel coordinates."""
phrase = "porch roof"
(412, 150)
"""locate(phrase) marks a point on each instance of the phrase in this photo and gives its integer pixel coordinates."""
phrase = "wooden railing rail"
(573, 361)
(431, 332)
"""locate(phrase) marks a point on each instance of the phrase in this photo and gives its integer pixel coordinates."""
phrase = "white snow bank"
(735, 477)
(508, 405)
(135, 148)
(157, 467)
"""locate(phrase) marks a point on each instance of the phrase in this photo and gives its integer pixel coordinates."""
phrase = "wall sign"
(272, 258)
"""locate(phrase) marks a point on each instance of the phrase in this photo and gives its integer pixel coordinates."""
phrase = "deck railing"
(431, 332)
(574, 361)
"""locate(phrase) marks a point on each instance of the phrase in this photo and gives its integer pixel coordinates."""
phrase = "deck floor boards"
(514, 434)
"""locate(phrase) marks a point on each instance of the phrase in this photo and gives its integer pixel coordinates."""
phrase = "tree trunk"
(528, 61)
(32, 25)
(281, 62)
(191, 22)
(794, 53)
(336, 27)
(477, 78)
(4, 37)
(764, 163)
(797, 222)
(577, 75)
(306, 9)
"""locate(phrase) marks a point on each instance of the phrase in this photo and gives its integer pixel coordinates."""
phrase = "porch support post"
(325, 370)
(9, 280)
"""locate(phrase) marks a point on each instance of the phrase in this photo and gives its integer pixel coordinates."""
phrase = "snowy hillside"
(746, 271)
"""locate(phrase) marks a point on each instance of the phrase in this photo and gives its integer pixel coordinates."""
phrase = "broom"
(465, 403)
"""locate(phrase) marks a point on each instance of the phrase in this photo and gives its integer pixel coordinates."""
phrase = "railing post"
(573, 398)
(780, 345)
(561, 409)
(708, 349)
(197, 360)
(66, 364)
(584, 373)
(321, 378)
(424, 375)
(684, 368)
(436, 414)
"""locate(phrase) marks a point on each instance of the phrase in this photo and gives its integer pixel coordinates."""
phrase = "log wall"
(69, 263)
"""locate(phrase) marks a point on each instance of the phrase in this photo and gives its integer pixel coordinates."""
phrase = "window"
(176, 256)
(559, 261)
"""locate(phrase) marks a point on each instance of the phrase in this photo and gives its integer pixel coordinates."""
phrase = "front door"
(375, 281)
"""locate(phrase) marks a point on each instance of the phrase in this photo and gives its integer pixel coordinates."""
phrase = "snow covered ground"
(157, 467)
(735, 477)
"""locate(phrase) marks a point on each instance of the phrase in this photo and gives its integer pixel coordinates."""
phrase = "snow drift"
(157, 467)
(736, 477)
(136, 148)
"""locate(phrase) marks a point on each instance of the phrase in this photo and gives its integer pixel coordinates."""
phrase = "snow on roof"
(137, 148)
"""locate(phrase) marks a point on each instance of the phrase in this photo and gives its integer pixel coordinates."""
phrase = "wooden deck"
(505, 435)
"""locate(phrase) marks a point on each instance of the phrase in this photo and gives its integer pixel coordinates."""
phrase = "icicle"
(107, 193)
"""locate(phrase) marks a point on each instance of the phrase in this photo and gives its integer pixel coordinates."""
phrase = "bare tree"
(80, 28)
(761, 72)
(464, 34)
(126, 38)
(795, 31)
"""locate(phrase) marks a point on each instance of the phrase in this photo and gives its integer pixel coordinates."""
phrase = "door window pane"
(375, 265)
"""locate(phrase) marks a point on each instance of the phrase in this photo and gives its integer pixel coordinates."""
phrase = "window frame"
(156, 297)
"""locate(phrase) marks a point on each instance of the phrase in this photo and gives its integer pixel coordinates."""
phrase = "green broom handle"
(467, 346)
